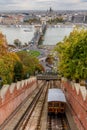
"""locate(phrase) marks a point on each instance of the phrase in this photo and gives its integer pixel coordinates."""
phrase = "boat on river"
(28, 30)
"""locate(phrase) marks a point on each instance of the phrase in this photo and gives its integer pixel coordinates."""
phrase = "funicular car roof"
(56, 95)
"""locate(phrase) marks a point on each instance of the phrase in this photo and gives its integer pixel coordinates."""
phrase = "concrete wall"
(77, 98)
(12, 95)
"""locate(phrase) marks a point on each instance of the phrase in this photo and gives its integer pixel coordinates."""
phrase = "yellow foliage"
(3, 44)
(7, 61)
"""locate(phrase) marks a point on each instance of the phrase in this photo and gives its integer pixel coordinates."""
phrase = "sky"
(43, 4)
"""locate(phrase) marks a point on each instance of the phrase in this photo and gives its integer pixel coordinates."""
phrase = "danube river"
(52, 35)
(55, 35)
(24, 34)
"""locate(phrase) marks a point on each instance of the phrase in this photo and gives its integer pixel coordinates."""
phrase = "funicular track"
(37, 113)
(57, 122)
(22, 124)
(41, 112)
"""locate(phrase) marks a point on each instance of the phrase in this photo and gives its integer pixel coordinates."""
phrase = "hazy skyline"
(43, 4)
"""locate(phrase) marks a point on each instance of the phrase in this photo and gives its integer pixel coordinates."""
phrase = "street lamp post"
(84, 74)
(1, 82)
(27, 75)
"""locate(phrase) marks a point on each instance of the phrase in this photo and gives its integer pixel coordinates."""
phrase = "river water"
(55, 35)
(52, 35)
(24, 34)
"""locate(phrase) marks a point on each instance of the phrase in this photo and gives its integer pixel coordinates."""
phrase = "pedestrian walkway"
(70, 118)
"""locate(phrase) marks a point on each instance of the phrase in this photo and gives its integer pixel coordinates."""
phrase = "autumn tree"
(7, 61)
(16, 66)
(49, 59)
(3, 44)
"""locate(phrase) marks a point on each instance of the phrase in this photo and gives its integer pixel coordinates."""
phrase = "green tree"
(17, 43)
(18, 71)
(30, 63)
(72, 54)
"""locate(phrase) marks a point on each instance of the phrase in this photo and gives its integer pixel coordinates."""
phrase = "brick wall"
(12, 95)
(77, 98)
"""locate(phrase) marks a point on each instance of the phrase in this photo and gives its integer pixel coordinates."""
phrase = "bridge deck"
(47, 77)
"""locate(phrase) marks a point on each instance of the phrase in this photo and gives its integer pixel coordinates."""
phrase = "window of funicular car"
(62, 104)
(50, 104)
(56, 104)
(62, 110)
